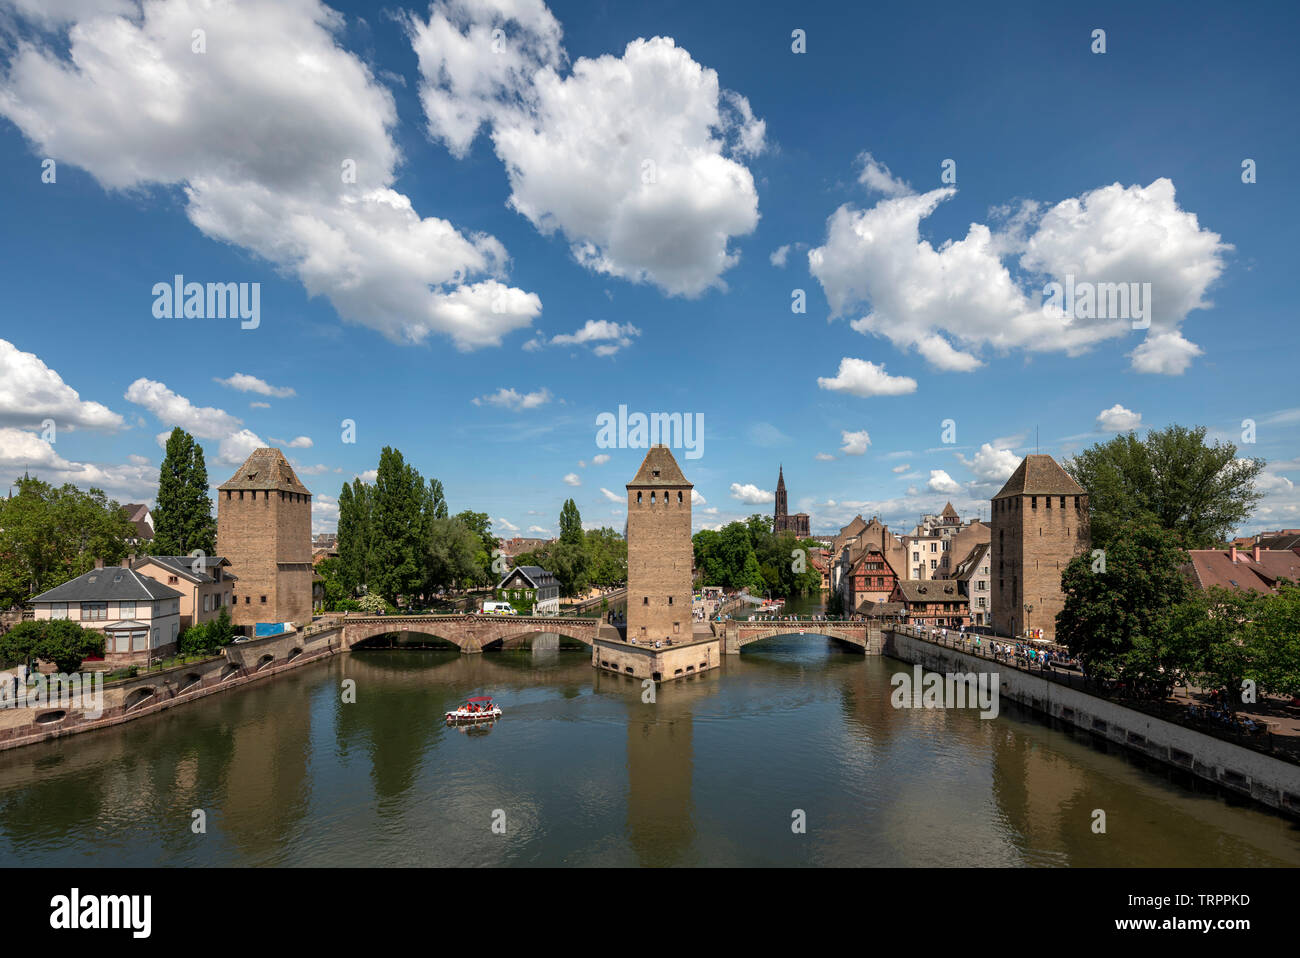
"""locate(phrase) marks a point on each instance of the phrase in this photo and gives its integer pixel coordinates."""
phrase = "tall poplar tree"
(183, 518)
(397, 528)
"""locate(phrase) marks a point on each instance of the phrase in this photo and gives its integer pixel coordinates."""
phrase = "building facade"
(660, 557)
(205, 584)
(531, 590)
(264, 529)
(139, 616)
(782, 521)
(1039, 523)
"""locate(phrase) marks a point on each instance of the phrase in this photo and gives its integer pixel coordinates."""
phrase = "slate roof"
(266, 468)
(659, 468)
(535, 574)
(183, 566)
(113, 584)
(1039, 475)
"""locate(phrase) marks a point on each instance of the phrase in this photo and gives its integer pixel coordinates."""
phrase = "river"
(719, 770)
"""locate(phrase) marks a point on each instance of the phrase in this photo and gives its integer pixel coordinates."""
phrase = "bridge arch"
(469, 633)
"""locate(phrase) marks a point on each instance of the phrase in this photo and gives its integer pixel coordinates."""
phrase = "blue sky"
(503, 199)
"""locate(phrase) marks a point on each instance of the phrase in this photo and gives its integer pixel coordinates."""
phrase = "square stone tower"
(264, 529)
(660, 555)
(1039, 522)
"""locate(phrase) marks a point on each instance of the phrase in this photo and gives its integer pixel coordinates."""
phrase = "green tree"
(18, 645)
(451, 553)
(1116, 617)
(571, 523)
(182, 521)
(60, 641)
(397, 528)
(354, 536)
(481, 525)
(1173, 477)
(49, 535)
(1275, 641)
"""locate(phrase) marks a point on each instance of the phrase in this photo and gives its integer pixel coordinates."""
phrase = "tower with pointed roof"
(660, 555)
(1039, 522)
(264, 529)
(782, 521)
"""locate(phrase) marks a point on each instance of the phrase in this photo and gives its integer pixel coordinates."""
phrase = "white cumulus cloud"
(750, 493)
(279, 140)
(636, 159)
(861, 377)
(855, 443)
(1118, 419)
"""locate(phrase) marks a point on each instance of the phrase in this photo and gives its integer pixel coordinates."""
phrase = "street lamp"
(1028, 608)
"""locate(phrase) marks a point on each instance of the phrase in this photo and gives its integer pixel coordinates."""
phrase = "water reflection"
(581, 770)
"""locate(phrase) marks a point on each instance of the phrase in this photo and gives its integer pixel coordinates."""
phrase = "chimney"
(99, 563)
(130, 561)
(1232, 554)
(1257, 552)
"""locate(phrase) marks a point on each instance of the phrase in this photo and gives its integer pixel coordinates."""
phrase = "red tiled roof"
(1211, 567)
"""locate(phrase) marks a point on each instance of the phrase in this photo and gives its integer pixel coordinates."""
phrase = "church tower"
(782, 506)
(660, 555)
(264, 529)
(1039, 522)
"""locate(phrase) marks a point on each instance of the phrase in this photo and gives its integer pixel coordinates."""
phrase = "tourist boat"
(480, 708)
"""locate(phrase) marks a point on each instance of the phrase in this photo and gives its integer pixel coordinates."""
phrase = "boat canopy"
(481, 698)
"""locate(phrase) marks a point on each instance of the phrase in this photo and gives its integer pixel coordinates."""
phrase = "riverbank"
(153, 692)
(1242, 771)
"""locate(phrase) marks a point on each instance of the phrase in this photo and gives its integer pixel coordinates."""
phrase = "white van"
(498, 608)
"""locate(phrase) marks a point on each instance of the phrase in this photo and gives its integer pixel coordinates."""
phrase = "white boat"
(481, 708)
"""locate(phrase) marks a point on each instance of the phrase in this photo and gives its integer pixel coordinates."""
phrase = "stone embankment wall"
(152, 692)
(1265, 779)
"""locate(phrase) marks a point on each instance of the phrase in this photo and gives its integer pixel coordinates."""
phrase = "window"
(126, 610)
(1048, 500)
(638, 498)
(652, 498)
(679, 498)
(934, 563)
(981, 602)
(247, 599)
(241, 494)
(645, 600)
(263, 600)
(58, 610)
(676, 627)
(916, 557)
(207, 603)
(1076, 502)
(94, 611)
(171, 580)
(670, 600)
(1033, 502)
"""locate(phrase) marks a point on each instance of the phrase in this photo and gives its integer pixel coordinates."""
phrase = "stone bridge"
(864, 636)
(470, 633)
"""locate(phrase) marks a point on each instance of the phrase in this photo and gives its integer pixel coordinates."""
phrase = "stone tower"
(659, 551)
(264, 529)
(782, 505)
(1039, 523)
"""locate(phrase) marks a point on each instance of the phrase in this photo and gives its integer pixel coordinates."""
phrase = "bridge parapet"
(470, 632)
